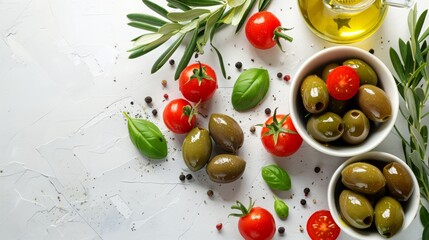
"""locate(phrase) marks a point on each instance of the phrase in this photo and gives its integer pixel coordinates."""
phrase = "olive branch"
(412, 78)
(198, 18)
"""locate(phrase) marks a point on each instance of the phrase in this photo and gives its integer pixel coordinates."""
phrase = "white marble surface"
(68, 169)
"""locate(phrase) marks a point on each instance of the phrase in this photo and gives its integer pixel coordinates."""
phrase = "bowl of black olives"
(374, 195)
(343, 101)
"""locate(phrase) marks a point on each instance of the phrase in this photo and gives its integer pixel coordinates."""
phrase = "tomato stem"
(278, 34)
(243, 210)
(276, 127)
(200, 74)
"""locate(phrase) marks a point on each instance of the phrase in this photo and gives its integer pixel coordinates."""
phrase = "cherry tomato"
(198, 82)
(321, 226)
(255, 223)
(263, 30)
(343, 82)
(279, 135)
(179, 116)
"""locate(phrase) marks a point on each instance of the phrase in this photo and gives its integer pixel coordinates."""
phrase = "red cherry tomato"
(198, 82)
(260, 29)
(343, 82)
(321, 226)
(179, 116)
(279, 136)
(259, 224)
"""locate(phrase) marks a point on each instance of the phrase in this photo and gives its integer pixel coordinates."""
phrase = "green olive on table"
(363, 178)
(356, 127)
(197, 148)
(399, 181)
(356, 209)
(326, 127)
(374, 102)
(226, 132)
(366, 73)
(314, 93)
(388, 216)
(225, 168)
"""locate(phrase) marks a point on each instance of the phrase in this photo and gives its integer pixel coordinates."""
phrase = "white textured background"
(67, 167)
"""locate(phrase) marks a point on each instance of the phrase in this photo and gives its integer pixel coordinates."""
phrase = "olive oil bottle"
(346, 21)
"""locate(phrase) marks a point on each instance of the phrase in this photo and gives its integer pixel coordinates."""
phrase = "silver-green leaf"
(187, 15)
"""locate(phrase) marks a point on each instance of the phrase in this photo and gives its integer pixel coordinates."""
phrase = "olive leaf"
(143, 26)
(147, 138)
(187, 15)
(276, 177)
(425, 234)
(263, 4)
(156, 8)
(250, 88)
(424, 216)
(144, 18)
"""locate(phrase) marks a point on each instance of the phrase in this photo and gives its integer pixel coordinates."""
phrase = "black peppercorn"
(189, 176)
(281, 230)
(303, 202)
(279, 75)
(154, 112)
(252, 129)
(267, 111)
(238, 65)
(306, 191)
(148, 99)
(317, 169)
(171, 61)
(210, 193)
(182, 177)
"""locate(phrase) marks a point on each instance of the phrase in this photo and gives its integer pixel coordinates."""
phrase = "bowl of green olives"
(343, 101)
(374, 195)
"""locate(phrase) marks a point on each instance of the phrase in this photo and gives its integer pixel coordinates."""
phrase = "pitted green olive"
(226, 132)
(388, 216)
(363, 178)
(197, 148)
(356, 127)
(374, 102)
(326, 127)
(399, 181)
(314, 93)
(328, 69)
(356, 209)
(225, 168)
(366, 73)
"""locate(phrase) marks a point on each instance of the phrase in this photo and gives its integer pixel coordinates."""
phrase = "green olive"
(356, 210)
(314, 93)
(388, 216)
(338, 106)
(363, 178)
(366, 73)
(374, 102)
(356, 127)
(226, 132)
(399, 181)
(327, 70)
(197, 148)
(326, 127)
(225, 168)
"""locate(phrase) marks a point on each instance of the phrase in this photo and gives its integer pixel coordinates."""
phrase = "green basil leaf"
(276, 177)
(424, 216)
(147, 138)
(281, 208)
(250, 88)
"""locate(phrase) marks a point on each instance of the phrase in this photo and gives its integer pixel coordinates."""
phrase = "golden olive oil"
(342, 25)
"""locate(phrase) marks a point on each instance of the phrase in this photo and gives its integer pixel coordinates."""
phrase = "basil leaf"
(425, 234)
(281, 208)
(250, 88)
(147, 137)
(276, 177)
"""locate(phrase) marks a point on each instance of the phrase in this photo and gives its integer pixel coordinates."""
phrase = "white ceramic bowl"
(338, 54)
(410, 207)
